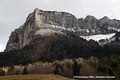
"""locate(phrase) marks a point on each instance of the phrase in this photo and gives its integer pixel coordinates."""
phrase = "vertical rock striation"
(48, 22)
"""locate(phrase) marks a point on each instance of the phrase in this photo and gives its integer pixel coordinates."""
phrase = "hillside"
(34, 77)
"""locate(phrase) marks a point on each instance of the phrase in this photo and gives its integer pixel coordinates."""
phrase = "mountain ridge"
(52, 35)
(62, 22)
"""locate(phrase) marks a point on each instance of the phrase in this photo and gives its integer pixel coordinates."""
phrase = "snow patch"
(98, 37)
(83, 30)
(112, 28)
(106, 41)
(87, 31)
(58, 13)
(62, 28)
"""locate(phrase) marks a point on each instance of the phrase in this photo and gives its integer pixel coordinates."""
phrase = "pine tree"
(25, 71)
(76, 68)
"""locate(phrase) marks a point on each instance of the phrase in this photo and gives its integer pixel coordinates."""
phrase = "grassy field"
(34, 77)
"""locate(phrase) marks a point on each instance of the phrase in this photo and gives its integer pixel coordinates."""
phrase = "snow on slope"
(62, 28)
(98, 37)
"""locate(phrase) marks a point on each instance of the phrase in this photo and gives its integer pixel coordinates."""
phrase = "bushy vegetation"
(63, 68)
(76, 68)
(109, 66)
(2, 72)
(86, 66)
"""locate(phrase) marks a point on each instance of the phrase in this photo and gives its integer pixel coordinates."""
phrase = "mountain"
(51, 35)
(41, 23)
(92, 26)
(112, 40)
(61, 23)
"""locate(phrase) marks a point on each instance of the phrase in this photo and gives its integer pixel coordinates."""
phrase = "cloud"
(14, 12)
(2, 47)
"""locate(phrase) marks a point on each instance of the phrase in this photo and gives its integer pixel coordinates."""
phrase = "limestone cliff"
(51, 35)
(39, 22)
(52, 22)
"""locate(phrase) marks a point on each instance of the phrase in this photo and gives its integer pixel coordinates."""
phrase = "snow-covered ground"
(98, 37)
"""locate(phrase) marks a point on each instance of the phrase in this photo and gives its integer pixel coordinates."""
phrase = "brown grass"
(34, 77)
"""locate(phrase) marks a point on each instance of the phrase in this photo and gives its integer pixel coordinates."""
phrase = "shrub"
(58, 67)
(76, 68)
(2, 72)
(68, 64)
(56, 71)
(17, 72)
(25, 71)
(11, 66)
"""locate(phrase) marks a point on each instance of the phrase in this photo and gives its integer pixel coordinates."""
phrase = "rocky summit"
(52, 35)
(46, 23)
(43, 23)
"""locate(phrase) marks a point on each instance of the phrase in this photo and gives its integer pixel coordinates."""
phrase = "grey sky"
(14, 12)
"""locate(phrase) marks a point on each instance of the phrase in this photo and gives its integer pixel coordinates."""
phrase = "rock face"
(48, 23)
(90, 25)
(39, 22)
(51, 35)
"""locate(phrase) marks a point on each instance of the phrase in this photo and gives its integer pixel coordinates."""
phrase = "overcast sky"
(14, 12)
